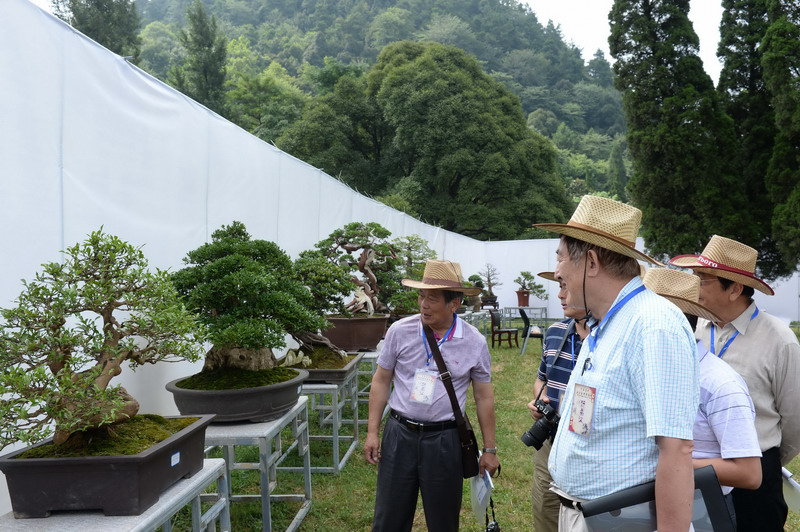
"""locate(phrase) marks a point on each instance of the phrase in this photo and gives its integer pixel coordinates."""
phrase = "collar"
(457, 333)
(702, 350)
(743, 321)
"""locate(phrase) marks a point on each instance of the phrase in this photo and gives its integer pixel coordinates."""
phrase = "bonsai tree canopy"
(490, 277)
(249, 295)
(74, 327)
(363, 248)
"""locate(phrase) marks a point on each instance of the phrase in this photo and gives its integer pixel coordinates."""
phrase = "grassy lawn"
(345, 501)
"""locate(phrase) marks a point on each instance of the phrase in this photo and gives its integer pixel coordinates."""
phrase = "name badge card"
(580, 419)
(424, 383)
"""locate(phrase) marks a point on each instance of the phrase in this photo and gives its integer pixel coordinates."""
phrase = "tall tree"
(202, 76)
(681, 141)
(112, 23)
(781, 62)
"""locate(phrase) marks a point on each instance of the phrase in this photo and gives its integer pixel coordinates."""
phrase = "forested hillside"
(539, 124)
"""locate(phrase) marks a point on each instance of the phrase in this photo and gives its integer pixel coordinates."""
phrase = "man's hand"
(372, 449)
(490, 463)
(535, 414)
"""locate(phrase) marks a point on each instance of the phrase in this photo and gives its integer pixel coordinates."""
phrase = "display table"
(328, 401)
(184, 492)
(270, 451)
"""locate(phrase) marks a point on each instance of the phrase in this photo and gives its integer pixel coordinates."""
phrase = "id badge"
(580, 418)
(424, 383)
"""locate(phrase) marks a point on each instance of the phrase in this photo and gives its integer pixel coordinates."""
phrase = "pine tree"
(112, 23)
(202, 76)
(679, 137)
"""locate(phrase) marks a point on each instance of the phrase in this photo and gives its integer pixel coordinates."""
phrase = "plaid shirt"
(644, 372)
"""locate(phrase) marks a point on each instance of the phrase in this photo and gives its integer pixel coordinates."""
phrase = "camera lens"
(543, 428)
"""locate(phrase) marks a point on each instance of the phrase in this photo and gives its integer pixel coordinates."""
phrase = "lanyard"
(447, 336)
(572, 348)
(731, 339)
(595, 334)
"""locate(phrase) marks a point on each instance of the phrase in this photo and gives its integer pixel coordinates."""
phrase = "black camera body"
(544, 428)
(493, 526)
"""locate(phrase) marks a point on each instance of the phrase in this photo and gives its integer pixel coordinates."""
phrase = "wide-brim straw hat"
(681, 288)
(728, 259)
(550, 276)
(442, 275)
(605, 223)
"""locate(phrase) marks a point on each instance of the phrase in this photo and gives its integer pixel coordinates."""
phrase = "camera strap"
(444, 374)
(494, 520)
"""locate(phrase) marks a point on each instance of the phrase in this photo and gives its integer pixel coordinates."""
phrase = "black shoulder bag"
(469, 444)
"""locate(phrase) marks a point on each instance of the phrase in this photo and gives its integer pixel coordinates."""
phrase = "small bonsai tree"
(475, 280)
(412, 253)
(490, 277)
(365, 250)
(74, 327)
(527, 282)
(249, 295)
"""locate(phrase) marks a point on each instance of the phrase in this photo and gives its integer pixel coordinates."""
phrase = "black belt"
(423, 426)
(569, 503)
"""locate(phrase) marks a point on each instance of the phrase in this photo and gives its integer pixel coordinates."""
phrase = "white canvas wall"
(88, 140)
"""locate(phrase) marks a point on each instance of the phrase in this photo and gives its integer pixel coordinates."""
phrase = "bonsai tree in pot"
(363, 249)
(249, 296)
(74, 327)
(475, 301)
(527, 286)
(412, 253)
(490, 277)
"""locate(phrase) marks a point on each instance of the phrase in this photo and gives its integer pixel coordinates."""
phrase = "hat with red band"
(728, 259)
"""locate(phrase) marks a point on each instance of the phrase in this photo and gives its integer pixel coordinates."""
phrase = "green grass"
(345, 501)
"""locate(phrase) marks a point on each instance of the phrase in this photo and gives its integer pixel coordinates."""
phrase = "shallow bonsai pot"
(356, 334)
(116, 485)
(263, 403)
(334, 375)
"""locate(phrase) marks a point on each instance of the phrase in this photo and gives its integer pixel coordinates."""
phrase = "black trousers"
(418, 462)
(764, 509)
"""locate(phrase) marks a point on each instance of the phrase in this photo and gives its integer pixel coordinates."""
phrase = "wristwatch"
(490, 450)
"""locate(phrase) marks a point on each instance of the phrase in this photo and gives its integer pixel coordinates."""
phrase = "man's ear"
(734, 291)
(592, 263)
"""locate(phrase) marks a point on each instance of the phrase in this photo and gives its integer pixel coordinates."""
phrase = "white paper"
(481, 487)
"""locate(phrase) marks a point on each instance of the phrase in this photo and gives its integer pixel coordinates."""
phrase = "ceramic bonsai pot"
(116, 485)
(523, 298)
(334, 376)
(357, 333)
(263, 403)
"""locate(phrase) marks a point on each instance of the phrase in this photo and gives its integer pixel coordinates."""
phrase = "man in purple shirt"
(421, 450)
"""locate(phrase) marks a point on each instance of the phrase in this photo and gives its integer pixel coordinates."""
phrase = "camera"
(493, 526)
(544, 428)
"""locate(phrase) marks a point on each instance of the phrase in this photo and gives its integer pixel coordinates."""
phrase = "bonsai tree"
(365, 250)
(490, 277)
(412, 253)
(249, 295)
(527, 282)
(475, 280)
(74, 327)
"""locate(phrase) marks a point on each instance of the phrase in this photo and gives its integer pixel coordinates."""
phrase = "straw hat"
(681, 288)
(728, 259)
(550, 276)
(441, 275)
(605, 223)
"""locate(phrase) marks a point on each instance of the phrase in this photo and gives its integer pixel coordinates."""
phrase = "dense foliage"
(74, 327)
(112, 23)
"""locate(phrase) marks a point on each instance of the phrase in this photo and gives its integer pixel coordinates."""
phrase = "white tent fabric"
(88, 140)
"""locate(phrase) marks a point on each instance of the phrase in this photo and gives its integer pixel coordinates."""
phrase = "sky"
(585, 24)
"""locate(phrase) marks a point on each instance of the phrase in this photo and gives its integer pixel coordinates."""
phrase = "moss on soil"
(124, 438)
(323, 357)
(236, 379)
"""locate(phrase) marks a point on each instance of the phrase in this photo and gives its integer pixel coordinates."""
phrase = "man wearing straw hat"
(724, 431)
(562, 343)
(630, 404)
(767, 355)
(421, 450)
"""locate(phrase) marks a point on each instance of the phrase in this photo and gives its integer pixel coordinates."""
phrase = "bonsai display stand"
(267, 436)
(367, 366)
(331, 413)
(186, 491)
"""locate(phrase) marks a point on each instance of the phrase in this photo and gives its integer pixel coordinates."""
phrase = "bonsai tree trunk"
(308, 340)
(129, 409)
(240, 358)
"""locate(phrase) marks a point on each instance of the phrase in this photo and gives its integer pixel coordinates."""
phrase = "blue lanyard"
(593, 336)
(428, 352)
(730, 340)
(572, 348)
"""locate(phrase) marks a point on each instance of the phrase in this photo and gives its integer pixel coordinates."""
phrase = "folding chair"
(529, 331)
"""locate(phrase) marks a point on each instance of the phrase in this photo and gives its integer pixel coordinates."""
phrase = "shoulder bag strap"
(444, 374)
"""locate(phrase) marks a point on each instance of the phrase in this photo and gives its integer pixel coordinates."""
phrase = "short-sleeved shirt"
(644, 375)
(766, 354)
(558, 359)
(466, 356)
(725, 424)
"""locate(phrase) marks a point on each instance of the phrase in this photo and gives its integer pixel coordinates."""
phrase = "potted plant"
(365, 250)
(250, 297)
(527, 286)
(490, 277)
(475, 301)
(74, 327)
